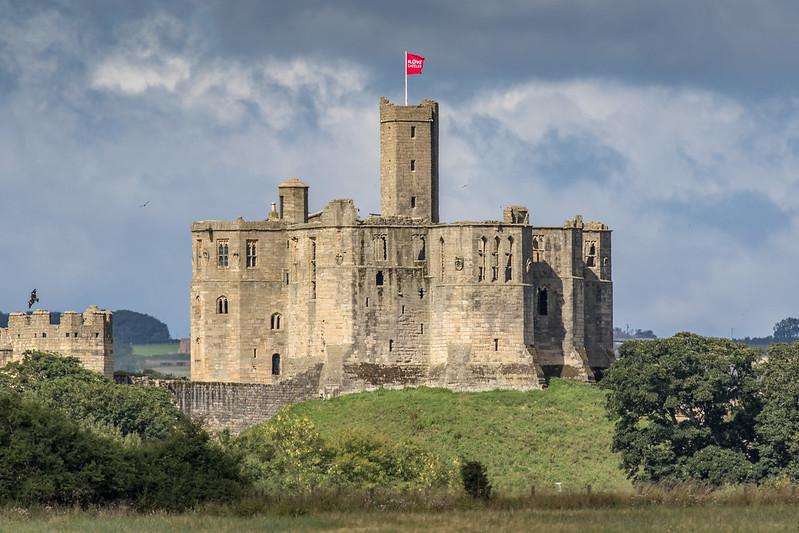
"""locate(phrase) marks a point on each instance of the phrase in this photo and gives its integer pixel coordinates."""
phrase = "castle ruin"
(87, 336)
(400, 298)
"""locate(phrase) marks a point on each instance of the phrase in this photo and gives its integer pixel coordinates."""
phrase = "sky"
(676, 123)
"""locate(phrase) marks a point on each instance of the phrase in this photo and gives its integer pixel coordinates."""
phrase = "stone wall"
(396, 299)
(236, 406)
(87, 336)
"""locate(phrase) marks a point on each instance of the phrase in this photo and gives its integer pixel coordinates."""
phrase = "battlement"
(423, 112)
(87, 336)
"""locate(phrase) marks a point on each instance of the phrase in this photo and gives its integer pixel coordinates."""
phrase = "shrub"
(475, 480)
(46, 458)
(62, 383)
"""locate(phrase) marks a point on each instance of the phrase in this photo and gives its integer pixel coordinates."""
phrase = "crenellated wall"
(87, 336)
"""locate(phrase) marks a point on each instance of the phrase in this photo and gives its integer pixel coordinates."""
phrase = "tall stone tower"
(409, 160)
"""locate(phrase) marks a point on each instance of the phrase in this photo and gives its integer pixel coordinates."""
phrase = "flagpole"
(406, 77)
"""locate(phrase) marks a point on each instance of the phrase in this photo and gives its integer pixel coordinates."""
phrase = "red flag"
(414, 64)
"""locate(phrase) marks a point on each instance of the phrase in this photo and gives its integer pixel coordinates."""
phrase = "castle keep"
(399, 298)
(86, 336)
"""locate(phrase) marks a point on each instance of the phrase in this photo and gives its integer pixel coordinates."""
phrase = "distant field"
(710, 518)
(560, 434)
(149, 350)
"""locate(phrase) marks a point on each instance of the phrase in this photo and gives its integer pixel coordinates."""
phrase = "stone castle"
(87, 336)
(400, 298)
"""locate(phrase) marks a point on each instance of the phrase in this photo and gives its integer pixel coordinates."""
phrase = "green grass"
(161, 348)
(536, 438)
(710, 518)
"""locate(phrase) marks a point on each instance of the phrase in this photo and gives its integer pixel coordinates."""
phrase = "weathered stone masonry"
(399, 299)
(87, 336)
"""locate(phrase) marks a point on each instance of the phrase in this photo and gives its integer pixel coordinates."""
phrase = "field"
(525, 439)
(161, 348)
(709, 518)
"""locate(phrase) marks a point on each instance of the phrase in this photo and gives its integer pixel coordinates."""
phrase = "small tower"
(409, 160)
(293, 201)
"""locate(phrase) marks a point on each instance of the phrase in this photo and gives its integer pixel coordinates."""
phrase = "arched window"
(481, 251)
(509, 262)
(543, 301)
(495, 260)
(277, 321)
(276, 364)
(441, 255)
(221, 305)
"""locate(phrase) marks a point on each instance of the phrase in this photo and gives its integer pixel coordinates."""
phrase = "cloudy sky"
(677, 124)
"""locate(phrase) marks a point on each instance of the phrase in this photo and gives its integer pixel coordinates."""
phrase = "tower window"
(221, 306)
(276, 321)
(496, 345)
(495, 261)
(481, 251)
(413, 132)
(391, 345)
(381, 248)
(222, 254)
(421, 329)
(413, 202)
(543, 301)
(281, 209)
(413, 165)
(276, 364)
(590, 254)
(379, 278)
(252, 253)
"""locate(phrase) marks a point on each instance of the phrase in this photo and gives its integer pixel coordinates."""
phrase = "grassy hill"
(524, 438)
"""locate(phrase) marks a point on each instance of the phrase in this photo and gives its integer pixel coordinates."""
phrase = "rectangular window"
(222, 254)
(413, 202)
(413, 165)
(413, 132)
(252, 253)
(281, 206)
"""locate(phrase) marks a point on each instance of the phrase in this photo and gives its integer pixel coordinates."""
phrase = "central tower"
(409, 160)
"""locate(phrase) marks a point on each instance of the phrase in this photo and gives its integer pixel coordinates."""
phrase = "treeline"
(69, 436)
(696, 409)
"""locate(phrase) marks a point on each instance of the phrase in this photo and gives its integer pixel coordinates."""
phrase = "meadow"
(612, 513)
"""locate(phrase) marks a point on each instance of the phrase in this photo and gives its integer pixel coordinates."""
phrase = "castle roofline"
(293, 182)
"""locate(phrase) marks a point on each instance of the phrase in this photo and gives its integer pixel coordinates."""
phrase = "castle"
(400, 298)
(86, 336)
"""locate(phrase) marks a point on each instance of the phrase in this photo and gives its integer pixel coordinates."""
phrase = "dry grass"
(654, 509)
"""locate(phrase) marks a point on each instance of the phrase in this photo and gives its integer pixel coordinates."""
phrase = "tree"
(61, 382)
(131, 327)
(684, 409)
(778, 422)
(786, 330)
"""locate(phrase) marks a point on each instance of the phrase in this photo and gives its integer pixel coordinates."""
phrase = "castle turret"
(293, 201)
(409, 160)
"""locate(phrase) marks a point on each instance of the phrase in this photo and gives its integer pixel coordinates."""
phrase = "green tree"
(786, 330)
(46, 458)
(778, 422)
(62, 383)
(677, 402)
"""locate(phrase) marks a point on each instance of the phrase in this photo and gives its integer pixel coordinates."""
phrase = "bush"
(475, 480)
(46, 458)
(62, 383)
(182, 470)
(287, 453)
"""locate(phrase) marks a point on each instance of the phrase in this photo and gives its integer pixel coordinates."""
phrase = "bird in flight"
(33, 299)
(145, 204)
